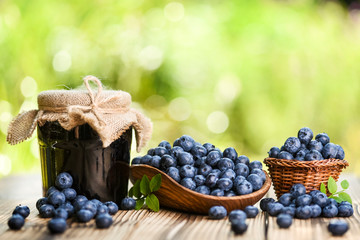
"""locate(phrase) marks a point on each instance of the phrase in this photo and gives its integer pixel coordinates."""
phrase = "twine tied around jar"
(108, 112)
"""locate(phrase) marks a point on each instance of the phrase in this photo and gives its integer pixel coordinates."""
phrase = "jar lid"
(108, 112)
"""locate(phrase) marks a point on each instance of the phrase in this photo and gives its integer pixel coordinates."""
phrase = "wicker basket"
(285, 173)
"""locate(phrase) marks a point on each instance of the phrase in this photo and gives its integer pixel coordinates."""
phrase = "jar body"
(98, 172)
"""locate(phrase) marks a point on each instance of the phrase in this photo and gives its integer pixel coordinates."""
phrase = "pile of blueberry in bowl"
(204, 168)
(304, 148)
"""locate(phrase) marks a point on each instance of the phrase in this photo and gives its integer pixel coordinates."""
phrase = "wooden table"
(165, 224)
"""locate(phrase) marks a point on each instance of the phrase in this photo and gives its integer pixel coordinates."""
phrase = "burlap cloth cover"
(108, 112)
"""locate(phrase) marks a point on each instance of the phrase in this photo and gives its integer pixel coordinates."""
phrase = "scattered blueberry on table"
(304, 148)
(338, 227)
(204, 168)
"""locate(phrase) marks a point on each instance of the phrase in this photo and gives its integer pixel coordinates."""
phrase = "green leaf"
(145, 185)
(332, 185)
(155, 183)
(344, 184)
(139, 204)
(337, 199)
(345, 197)
(136, 189)
(153, 202)
(322, 188)
(131, 192)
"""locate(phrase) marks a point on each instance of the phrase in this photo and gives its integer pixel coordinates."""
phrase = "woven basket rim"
(306, 164)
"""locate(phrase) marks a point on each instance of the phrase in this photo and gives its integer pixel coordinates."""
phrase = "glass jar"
(98, 172)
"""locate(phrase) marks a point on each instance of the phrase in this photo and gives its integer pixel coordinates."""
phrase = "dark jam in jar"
(98, 172)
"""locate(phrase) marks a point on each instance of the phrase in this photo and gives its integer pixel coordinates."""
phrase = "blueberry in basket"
(206, 169)
(305, 148)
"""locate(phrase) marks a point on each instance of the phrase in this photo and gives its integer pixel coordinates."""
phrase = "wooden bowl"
(173, 195)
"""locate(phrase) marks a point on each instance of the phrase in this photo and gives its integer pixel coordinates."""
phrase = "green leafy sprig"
(143, 192)
(332, 188)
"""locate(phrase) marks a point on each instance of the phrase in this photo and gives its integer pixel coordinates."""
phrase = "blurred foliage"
(246, 74)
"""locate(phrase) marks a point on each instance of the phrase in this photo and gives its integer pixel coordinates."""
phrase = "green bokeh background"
(246, 74)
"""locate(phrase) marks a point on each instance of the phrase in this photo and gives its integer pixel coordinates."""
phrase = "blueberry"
(63, 180)
(61, 213)
(199, 180)
(209, 147)
(265, 202)
(237, 215)
(91, 206)
(103, 221)
(238, 227)
(217, 192)
(330, 211)
(242, 159)
(198, 151)
(216, 171)
(51, 190)
(165, 144)
(228, 174)
(238, 180)
(188, 183)
(255, 181)
(225, 163)
(230, 153)
(285, 155)
(151, 152)
(251, 211)
(274, 152)
(174, 173)
(331, 201)
(97, 202)
(57, 225)
(155, 161)
(305, 135)
(338, 227)
(68, 207)
(200, 161)
(24, 211)
(313, 155)
(212, 158)
(185, 158)
(203, 190)
(315, 145)
(84, 215)
(340, 154)
(167, 161)
(286, 199)
(274, 208)
(330, 150)
(217, 212)
(300, 155)
(241, 169)
(70, 194)
(187, 171)
(315, 210)
(303, 212)
(128, 203)
(56, 198)
(244, 187)
(288, 210)
(230, 193)
(320, 199)
(160, 151)
(146, 159)
(323, 138)
(79, 201)
(186, 142)
(284, 220)
(102, 209)
(46, 211)
(260, 173)
(113, 207)
(224, 184)
(255, 165)
(303, 200)
(292, 145)
(297, 190)
(175, 151)
(313, 193)
(211, 180)
(16, 221)
(345, 210)
(40, 202)
(136, 160)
